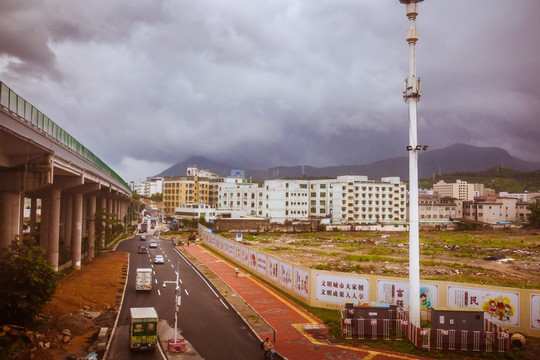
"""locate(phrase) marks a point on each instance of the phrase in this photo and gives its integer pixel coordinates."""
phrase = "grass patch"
(374, 258)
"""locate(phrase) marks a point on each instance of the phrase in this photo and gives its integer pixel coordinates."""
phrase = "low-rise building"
(502, 210)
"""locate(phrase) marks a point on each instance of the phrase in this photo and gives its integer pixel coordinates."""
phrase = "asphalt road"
(213, 328)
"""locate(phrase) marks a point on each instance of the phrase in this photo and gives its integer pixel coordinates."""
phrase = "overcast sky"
(145, 84)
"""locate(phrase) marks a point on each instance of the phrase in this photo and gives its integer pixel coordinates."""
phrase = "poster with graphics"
(261, 263)
(223, 245)
(397, 292)
(238, 254)
(285, 274)
(301, 282)
(341, 289)
(231, 249)
(535, 311)
(501, 307)
(244, 255)
(273, 268)
(213, 240)
(252, 259)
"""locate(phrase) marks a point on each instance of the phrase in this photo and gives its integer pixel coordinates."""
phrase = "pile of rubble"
(80, 335)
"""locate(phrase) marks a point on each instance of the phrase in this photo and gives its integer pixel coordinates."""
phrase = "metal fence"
(492, 339)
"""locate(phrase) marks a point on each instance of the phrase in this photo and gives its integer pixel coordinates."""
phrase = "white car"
(158, 259)
(153, 244)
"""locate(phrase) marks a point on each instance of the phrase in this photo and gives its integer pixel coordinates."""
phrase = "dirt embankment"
(84, 301)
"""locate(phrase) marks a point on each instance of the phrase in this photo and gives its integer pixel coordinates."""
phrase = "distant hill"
(180, 169)
(454, 158)
(497, 178)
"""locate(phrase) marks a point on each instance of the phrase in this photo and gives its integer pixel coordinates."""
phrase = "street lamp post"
(177, 301)
(411, 95)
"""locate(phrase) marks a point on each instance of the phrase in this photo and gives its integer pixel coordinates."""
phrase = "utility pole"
(177, 301)
(411, 95)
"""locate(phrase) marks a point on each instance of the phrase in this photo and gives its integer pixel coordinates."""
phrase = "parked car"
(153, 244)
(142, 249)
(143, 237)
(158, 259)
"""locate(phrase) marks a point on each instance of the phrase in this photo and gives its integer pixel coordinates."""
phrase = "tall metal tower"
(411, 95)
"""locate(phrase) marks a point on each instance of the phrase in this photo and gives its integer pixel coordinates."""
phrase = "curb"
(117, 314)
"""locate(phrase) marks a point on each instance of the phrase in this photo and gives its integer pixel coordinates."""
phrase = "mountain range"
(454, 158)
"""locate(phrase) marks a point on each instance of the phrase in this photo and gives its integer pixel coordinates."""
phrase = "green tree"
(27, 283)
(534, 216)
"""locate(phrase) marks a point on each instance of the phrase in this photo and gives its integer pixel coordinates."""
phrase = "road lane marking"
(159, 292)
(226, 307)
(198, 273)
(186, 291)
(155, 281)
(172, 266)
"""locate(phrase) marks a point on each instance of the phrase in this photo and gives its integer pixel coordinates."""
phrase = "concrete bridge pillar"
(84, 216)
(77, 230)
(68, 220)
(10, 210)
(44, 223)
(54, 228)
(91, 226)
(33, 214)
(103, 207)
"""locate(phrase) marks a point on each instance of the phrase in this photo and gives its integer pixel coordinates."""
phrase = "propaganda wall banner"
(501, 307)
(301, 282)
(397, 292)
(341, 289)
(535, 311)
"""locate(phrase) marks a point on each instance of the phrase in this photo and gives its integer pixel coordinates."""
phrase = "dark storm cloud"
(146, 84)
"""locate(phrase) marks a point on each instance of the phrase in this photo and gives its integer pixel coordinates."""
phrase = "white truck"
(143, 281)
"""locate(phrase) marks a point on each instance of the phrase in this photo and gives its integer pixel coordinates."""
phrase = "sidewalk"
(299, 335)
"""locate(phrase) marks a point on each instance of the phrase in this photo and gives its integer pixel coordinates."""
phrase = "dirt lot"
(460, 256)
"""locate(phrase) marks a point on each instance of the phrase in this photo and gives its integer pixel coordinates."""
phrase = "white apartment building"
(152, 186)
(237, 194)
(523, 197)
(440, 211)
(286, 200)
(459, 190)
(320, 198)
(346, 199)
(192, 170)
(355, 199)
(496, 211)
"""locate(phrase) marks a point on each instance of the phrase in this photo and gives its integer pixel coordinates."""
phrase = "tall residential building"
(286, 200)
(355, 199)
(179, 190)
(152, 186)
(459, 190)
(237, 194)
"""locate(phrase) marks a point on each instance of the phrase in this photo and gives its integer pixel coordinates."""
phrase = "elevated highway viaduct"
(62, 182)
